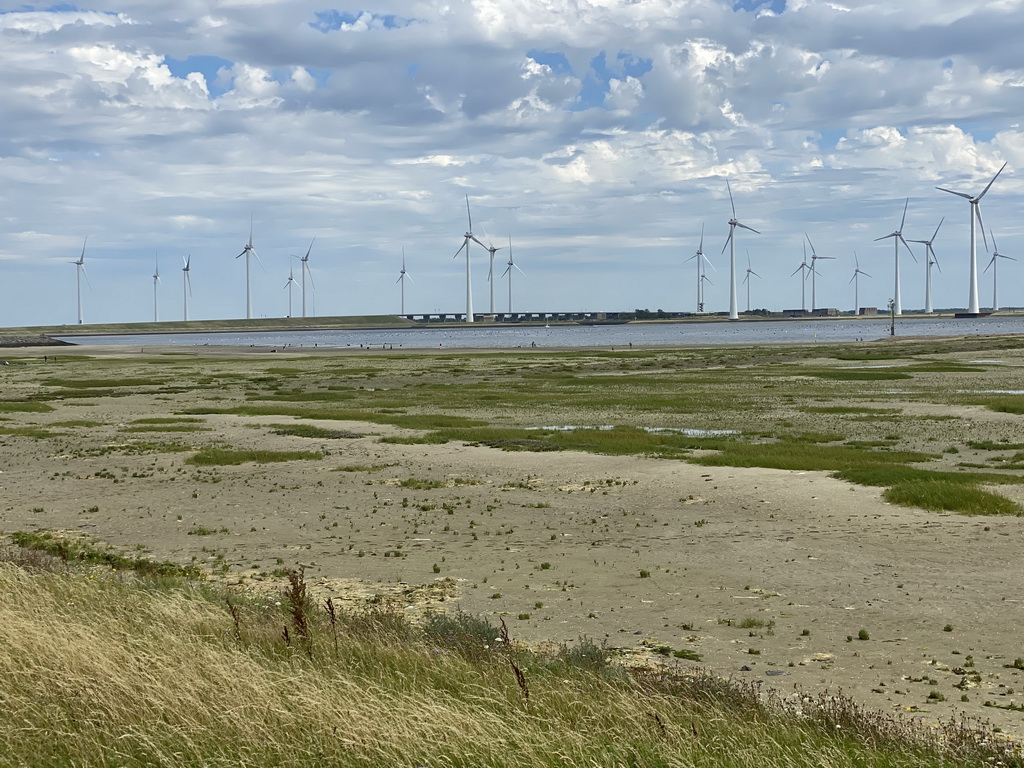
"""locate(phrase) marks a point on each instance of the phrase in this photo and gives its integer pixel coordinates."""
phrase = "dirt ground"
(794, 579)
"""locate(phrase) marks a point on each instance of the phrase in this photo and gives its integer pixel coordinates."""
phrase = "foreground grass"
(212, 456)
(100, 669)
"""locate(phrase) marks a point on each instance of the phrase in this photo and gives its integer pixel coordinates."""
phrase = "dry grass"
(98, 669)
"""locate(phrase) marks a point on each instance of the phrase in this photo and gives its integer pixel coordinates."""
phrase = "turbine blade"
(473, 238)
(908, 248)
(468, 214)
(937, 228)
(465, 243)
(813, 252)
(746, 227)
(728, 239)
(904, 219)
(978, 198)
(700, 248)
(729, 187)
(977, 213)
(188, 284)
(306, 257)
(958, 194)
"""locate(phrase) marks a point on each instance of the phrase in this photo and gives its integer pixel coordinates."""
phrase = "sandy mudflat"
(764, 573)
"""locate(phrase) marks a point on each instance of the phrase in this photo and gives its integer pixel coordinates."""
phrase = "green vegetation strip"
(177, 676)
(227, 457)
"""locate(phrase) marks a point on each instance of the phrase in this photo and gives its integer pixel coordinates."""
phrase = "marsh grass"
(788, 454)
(313, 431)
(84, 550)
(24, 406)
(102, 383)
(943, 495)
(213, 456)
(133, 673)
(164, 428)
(168, 420)
(37, 433)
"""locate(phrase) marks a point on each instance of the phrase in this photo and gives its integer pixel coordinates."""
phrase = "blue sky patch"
(557, 62)
(332, 21)
(776, 6)
(596, 82)
(207, 66)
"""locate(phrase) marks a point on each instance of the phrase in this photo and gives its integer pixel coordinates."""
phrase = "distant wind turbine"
(814, 272)
(186, 288)
(702, 260)
(490, 269)
(288, 286)
(994, 263)
(730, 243)
(804, 268)
(508, 271)
(156, 279)
(857, 272)
(972, 302)
(402, 275)
(897, 238)
(467, 238)
(79, 272)
(304, 270)
(247, 251)
(930, 259)
(746, 279)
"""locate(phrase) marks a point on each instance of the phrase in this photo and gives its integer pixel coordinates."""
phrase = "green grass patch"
(313, 431)
(85, 551)
(229, 457)
(24, 406)
(37, 433)
(169, 420)
(942, 495)
(804, 456)
(75, 423)
(992, 445)
(882, 475)
(860, 374)
(850, 410)
(166, 428)
(1006, 404)
(102, 383)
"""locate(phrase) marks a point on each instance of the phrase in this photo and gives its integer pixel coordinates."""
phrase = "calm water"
(608, 336)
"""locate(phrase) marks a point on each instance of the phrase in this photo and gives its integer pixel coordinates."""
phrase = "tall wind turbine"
(186, 288)
(857, 272)
(490, 269)
(469, 236)
(972, 301)
(508, 271)
(746, 279)
(247, 251)
(930, 259)
(402, 275)
(730, 243)
(897, 238)
(304, 270)
(156, 279)
(994, 263)
(288, 286)
(702, 260)
(79, 271)
(814, 272)
(804, 268)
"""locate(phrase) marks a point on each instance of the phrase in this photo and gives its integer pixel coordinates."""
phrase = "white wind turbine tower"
(156, 279)
(702, 277)
(402, 275)
(490, 270)
(814, 272)
(994, 263)
(508, 271)
(804, 268)
(186, 287)
(930, 259)
(730, 243)
(304, 270)
(857, 272)
(247, 251)
(288, 286)
(972, 303)
(897, 238)
(79, 271)
(469, 236)
(746, 279)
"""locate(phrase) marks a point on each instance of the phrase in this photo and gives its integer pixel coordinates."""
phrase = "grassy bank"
(101, 667)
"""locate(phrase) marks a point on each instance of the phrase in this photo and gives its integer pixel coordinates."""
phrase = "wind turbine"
(701, 275)
(288, 286)
(897, 238)
(402, 275)
(186, 288)
(156, 279)
(508, 271)
(804, 268)
(304, 269)
(80, 264)
(247, 251)
(972, 303)
(730, 243)
(814, 272)
(490, 270)
(929, 259)
(857, 272)
(469, 236)
(746, 279)
(994, 263)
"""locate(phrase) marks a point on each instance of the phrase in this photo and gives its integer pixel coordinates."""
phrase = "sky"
(597, 134)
